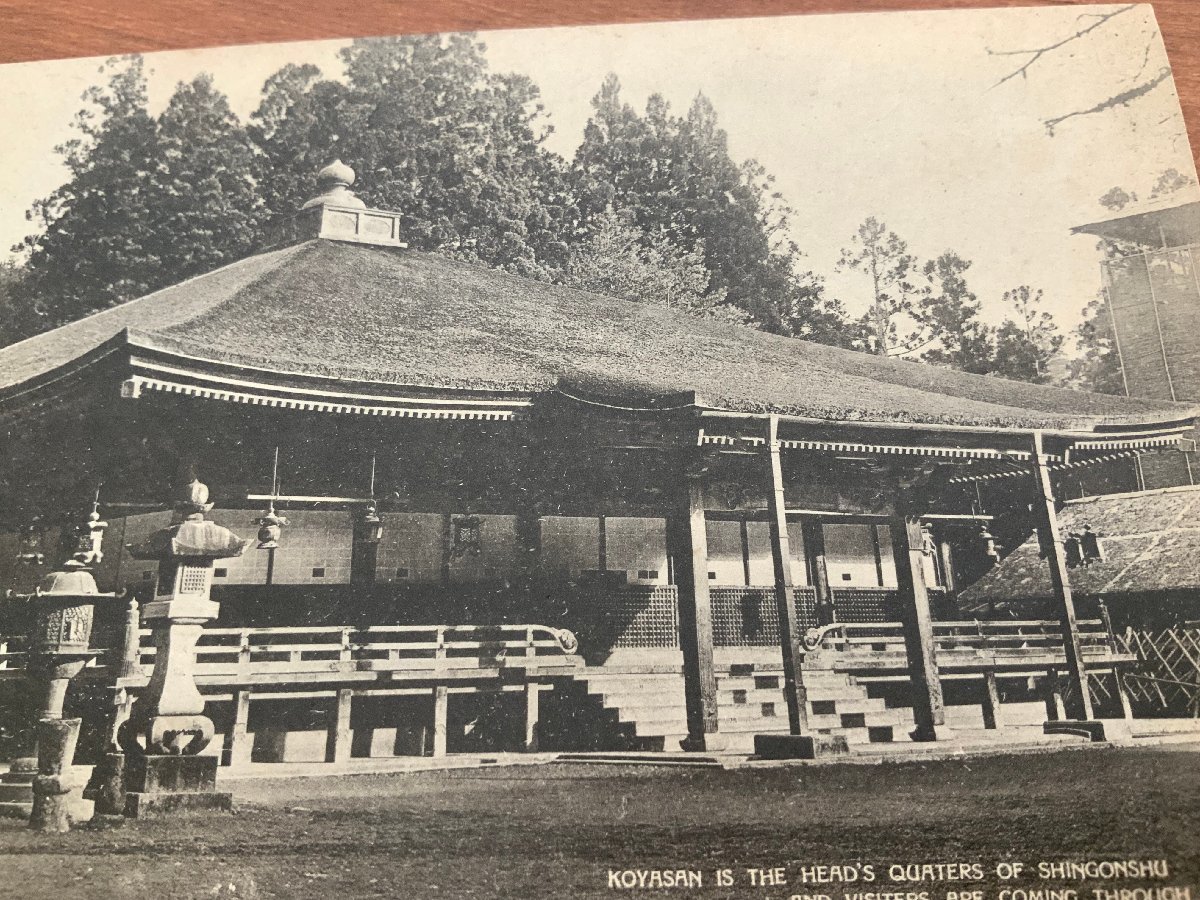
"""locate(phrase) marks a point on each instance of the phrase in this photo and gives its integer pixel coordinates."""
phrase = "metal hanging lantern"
(990, 547)
(270, 528)
(370, 525)
(270, 522)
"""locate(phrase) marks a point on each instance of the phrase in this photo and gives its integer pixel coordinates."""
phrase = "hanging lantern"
(30, 552)
(91, 537)
(370, 525)
(990, 547)
(269, 528)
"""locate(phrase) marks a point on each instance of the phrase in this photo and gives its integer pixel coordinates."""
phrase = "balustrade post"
(236, 749)
(337, 741)
(244, 656)
(532, 714)
(1052, 686)
(441, 710)
(818, 566)
(991, 701)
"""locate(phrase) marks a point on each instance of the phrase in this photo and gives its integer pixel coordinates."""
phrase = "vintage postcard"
(727, 459)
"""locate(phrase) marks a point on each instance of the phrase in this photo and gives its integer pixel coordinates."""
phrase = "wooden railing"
(965, 644)
(240, 653)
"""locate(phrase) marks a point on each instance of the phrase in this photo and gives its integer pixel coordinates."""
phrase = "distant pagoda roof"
(344, 315)
(1149, 541)
(1155, 226)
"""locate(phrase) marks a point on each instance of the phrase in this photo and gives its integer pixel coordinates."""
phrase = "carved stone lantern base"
(156, 784)
(53, 785)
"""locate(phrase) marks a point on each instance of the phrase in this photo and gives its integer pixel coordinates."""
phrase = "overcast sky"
(896, 115)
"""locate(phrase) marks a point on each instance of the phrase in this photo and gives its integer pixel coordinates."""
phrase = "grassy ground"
(555, 831)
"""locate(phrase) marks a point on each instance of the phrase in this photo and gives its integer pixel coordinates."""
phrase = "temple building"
(1152, 295)
(498, 513)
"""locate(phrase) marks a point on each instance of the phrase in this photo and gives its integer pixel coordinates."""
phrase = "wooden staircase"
(645, 709)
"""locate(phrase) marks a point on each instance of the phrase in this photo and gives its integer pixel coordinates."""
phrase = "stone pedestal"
(106, 787)
(799, 746)
(157, 784)
(52, 785)
(1096, 730)
(16, 788)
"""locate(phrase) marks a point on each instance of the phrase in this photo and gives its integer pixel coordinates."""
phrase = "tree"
(674, 175)
(202, 197)
(11, 276)
(620, 260)
(433, 134)
(891, 325)
(950, 310)
(1025, 345)
(1099, 367)
(95, 244)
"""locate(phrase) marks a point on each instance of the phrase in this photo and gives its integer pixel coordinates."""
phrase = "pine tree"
(950, 313)
(892, 324)
(1026, 345)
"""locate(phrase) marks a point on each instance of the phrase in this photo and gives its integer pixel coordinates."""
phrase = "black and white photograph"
(743, 459)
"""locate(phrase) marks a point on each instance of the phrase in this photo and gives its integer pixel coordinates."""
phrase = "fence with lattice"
(1166, 680)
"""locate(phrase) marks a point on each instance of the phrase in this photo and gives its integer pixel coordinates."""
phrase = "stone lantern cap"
(190, 538)
(68, 582)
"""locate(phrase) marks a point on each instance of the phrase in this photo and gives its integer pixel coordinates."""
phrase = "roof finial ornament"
(334, 183)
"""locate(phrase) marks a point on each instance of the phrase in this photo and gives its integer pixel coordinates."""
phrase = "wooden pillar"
(908, 546)
(337, 741)
(689, 554)
(364, 555)
(532, 699)
(441, 709)
(818, 568)
(236, 749)
(991, 701)
(785, 596)
(1046, 517)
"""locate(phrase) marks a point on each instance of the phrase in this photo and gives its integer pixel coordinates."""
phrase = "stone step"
(889, 718)
(883, 734)
(16, 792)
(13, 810)
(726, 693)
(860, 704)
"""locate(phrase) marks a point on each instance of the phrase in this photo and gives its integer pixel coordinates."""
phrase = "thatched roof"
(1150, 542)
(328, 309)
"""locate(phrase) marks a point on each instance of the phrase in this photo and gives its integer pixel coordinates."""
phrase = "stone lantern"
(167, 728)
(63, 606)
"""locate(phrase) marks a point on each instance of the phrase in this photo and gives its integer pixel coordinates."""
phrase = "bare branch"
(1145, 57)
(1122, 99)
(1037, 53)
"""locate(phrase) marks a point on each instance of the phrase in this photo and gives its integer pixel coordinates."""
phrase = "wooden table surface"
(43, 29)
